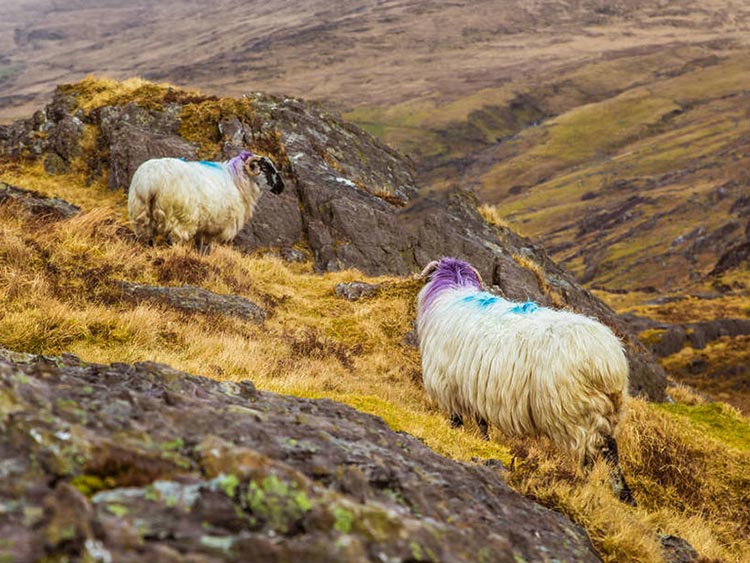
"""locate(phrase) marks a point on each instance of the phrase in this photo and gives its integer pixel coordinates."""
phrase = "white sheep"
(199, 202)
(529, 370)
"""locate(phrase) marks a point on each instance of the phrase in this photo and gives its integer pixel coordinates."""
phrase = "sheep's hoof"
(456, 421)
(484, 428)
(626, 496)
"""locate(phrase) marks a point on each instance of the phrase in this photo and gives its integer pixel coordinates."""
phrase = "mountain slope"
(647, 188)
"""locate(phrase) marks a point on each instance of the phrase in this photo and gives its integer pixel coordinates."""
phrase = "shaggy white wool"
(179, 201)
(528, 370)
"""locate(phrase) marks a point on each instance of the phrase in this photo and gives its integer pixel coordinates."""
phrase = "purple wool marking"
(451, 273)
(236, 163)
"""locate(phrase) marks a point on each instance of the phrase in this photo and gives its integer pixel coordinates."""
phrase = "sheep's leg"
(202, 245)
(457, 421)
(610, 454)
(484, 428)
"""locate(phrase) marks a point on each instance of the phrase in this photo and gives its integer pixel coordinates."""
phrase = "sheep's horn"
(429, 268)
(272, 175)
(479, 276)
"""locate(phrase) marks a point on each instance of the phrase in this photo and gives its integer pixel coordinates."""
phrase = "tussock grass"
(492, 215)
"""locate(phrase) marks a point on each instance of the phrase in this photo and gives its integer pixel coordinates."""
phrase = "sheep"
(530, 370)
(203, 202)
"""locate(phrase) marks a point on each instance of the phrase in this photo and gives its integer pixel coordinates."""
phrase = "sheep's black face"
(272, 175)
(257, 164)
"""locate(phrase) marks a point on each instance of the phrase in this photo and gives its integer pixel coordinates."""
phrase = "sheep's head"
(452, 271)
(254, 165)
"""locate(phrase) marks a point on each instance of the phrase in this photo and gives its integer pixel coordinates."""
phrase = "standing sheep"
(199, 202)
(529, 370)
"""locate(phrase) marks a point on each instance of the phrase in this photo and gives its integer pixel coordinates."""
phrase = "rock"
(674, 337)
(66, 137)
(736, 257)
(672, 341)
(678, 550)
(54, 164)
(194, 300)
(354, 291)
(134, 135)
(411, 338)
(193, 469)
(294, 255)
(50, 208)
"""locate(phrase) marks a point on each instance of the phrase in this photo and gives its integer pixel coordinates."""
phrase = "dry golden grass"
(689, 467)
(492, 215)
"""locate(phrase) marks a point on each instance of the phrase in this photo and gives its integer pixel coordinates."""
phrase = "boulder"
(142, 462)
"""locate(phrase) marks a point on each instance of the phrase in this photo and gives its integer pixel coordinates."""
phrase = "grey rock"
(135, 135)
(354, 291)
(51, 208)
(672, 341)
(194, 300)
(678, 550)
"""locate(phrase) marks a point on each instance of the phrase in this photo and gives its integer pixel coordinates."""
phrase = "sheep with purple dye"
(529, 370)
(202, 202)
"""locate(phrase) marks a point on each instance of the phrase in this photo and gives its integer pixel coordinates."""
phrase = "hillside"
(74, 281)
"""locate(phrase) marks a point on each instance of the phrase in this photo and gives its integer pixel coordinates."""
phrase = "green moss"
(89, 485)
(173, 445)
(118, 509)
(343, 519)
(278, 502)
(420, 554)
(152, 494)
(229, 484)
(717, 420)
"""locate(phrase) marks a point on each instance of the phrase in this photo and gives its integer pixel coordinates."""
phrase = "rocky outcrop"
(736, 257)
(141, 462)
(350, 202)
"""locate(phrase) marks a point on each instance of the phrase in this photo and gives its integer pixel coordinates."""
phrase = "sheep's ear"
(429, 268)
(252, 166)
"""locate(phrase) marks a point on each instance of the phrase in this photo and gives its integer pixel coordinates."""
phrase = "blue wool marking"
(209, 163)
(524, 308)
(482, 300)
